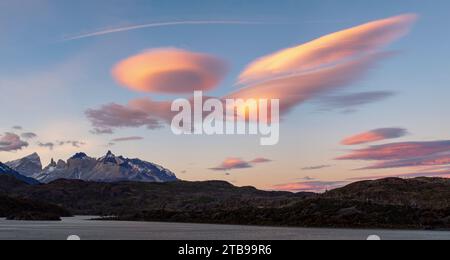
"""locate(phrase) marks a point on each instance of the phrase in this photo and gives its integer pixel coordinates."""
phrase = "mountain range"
(109, 168)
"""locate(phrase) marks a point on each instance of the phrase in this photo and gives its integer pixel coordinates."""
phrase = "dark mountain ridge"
(6, 170)
(92, 198)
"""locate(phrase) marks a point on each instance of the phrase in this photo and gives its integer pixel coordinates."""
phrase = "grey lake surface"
(111, 230)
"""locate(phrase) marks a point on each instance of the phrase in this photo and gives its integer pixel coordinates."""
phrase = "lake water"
(93, 230)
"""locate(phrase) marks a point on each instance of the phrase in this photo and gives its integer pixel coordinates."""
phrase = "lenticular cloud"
(170, 71)
(337, 60)
(332, 49)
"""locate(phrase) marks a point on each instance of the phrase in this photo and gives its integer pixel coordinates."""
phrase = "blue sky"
(47, 83)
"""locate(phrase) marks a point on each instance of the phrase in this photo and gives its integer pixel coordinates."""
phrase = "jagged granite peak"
(109, 168)
(27, 166)
(111, 158)
(79, 156)
(60, 163)
(50, 167)
(34, 157)
(52, 163)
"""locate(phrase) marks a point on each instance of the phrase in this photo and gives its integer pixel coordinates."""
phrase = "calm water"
(88, 230)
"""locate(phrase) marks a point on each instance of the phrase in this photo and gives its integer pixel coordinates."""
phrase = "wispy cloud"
(76, 144)
(127, 139)
(260, 160)
(316, 167)
(91, 113)
(48, 145)
(375, 135)
(52, 145)
(28, 135)
(155, 25)
(352, 101)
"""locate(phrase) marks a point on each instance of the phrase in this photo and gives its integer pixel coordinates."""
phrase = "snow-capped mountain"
(6, 170)
(109, 168)
(27, 166)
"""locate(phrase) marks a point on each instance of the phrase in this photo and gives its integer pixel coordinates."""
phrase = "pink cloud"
(138, 113)
(398, 151)
(142, 112)
(10, 142)
(170, 71)
(296, 89)
(234, 163)
(375, 135)
(430, 160)
(414, 155)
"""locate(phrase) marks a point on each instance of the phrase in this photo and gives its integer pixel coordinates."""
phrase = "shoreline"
(88, 229)
(264, 226)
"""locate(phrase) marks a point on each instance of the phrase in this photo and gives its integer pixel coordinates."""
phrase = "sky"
(363, 85)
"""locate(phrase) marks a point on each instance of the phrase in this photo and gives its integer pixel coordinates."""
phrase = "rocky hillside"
(421, 203)
(26, 209)
(419, 192)
(91, 198)
(312, 212)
